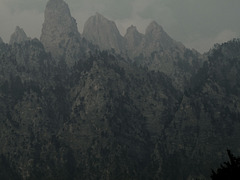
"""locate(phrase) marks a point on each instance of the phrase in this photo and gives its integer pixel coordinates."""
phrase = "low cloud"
(140, 16)
(204, 44)
(225, 35)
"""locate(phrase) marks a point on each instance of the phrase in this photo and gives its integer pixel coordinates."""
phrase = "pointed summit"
(153, 26)
(155, 31)
(132, 30)
(157, 39)
(58, 14)
(18, 36)
(133, 40)
(100, 17)
(133, 35)
(103, 32)
(58, 28)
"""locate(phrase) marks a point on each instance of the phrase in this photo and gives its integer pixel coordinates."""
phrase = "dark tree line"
(228, 170)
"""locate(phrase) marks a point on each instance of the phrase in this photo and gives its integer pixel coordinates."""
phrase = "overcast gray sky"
(196, 23)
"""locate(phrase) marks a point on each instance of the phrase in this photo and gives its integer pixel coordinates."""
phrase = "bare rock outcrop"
(60, 33)
(18, 36)
(133, 40)
(104, 33)
(156, 39)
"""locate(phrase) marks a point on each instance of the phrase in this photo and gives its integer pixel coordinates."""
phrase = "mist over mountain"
(105, 106)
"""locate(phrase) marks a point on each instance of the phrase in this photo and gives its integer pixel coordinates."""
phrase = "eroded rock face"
(18, 36)
(59, 29)
(104, 33)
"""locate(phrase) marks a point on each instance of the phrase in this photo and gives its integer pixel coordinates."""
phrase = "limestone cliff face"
(104, 33)
(60, 32)
(18, 36)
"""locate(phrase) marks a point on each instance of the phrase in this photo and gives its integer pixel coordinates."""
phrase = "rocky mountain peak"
(103, 32)
(154, 26)
(157, 38)
(58, 27)
(100, 17)
(155, 30)
(132, 30)
(58, 13)
(18, 36)
(133, 40)
(133, 36)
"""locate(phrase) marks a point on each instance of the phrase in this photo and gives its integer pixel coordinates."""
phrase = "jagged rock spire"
(18, 36)
(59, 28)
(157, 37)
(103, 32)
(58, 18)
(133, 40)
(132, 36)
(154, 27)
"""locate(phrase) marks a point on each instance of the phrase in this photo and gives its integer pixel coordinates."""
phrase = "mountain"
(60, 34)
(207, 121)
(104, 33)
(155, 49)
(108, 116)
(133, 40)
(73, 111)
(159, 52)
(26, 71)
(96, 117)
(18, 36)
(156, 39)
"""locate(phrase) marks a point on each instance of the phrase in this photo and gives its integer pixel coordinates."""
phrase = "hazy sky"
(196, 23)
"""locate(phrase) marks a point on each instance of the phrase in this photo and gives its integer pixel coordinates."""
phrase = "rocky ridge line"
(104, 33)
(18, 36)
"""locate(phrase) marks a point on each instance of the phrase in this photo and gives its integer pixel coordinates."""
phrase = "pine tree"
(228, 170)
